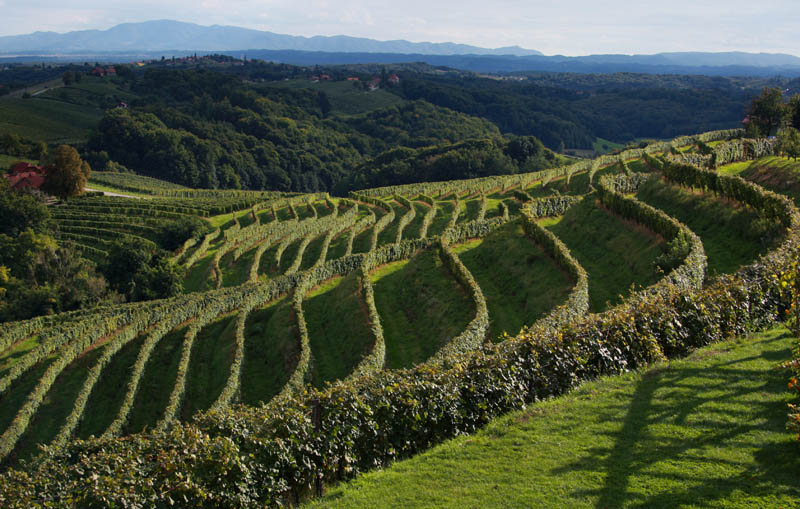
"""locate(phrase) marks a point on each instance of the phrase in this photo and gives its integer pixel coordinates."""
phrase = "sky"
(568, 27)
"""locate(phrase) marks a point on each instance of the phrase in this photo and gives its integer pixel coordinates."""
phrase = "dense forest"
(218, 122)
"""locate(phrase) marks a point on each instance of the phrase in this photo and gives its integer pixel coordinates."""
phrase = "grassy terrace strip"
(706, 431)
(577, 303)
(128, 334)
(66, 354)
(407, 217)
(691, 272)
(376, 359)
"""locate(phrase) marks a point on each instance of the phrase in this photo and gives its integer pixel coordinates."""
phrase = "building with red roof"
(25, 176)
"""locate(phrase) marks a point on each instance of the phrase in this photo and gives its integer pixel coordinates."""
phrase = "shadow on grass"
(688, 415)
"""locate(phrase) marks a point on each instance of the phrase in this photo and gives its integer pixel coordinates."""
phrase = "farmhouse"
(25, 176)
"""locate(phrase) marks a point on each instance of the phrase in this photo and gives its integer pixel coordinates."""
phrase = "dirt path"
(109, 193)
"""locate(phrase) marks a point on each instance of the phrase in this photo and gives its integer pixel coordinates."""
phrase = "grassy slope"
(520, 282)
(732, 236)
(209, 365)
(106, 397)
(312, 252)
(338, 328)
(156, 382)
(777, 174)
(412, 230)
(56, 406)
(615, 254)
(344, 97)
(271, 351)
(421, 307)
(442, 218)
(48, 120)
(707, 431)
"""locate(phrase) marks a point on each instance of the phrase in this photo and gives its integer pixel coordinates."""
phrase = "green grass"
(198, 278)
(412, 230)
(777, 174)
(17, 351)
(707, 431)
(209, 365)
(106, 397)
(287, 257)
(271, 351)
(96, 186)
(156, 382)
(732, 235)
(442, 218)
(15, 396)
(421, 307)
(344, 97)
(389, 234)
(312, 252)
(338, 246)
(6, 161)
(615, 253)
(520, 282)
(235, 273)
(605, 146)
(338, 327)
(48, 120)
(56, 407)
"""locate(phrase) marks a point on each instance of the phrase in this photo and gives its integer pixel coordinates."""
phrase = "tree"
(789, 142)
(794, 111)
(66, 173)
(767, 111)
(20, 211)
(68, 78)
(324, 104)
(141, 273)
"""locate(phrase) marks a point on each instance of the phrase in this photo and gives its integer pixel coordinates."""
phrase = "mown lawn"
(732, 235)
(338, 328)
(421, 307)
(707, 431)
(519, 281)
(617, 254)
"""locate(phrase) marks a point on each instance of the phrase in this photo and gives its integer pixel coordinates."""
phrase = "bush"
(173, 234)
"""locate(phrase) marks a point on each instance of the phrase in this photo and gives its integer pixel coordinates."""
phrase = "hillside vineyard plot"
(291, 293)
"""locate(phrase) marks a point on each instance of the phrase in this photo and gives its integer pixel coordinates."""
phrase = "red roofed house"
(25, 175)
(98, 71)
(394, 79)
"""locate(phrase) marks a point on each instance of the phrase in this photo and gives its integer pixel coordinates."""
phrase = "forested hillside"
(216, 122)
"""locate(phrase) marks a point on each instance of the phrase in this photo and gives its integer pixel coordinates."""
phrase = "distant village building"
(101, 71)
(394, 79)
(25, 176)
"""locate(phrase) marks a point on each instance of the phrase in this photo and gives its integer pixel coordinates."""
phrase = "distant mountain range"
(153, 39)
(166, 35)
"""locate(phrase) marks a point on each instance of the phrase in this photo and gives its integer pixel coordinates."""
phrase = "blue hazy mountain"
(166, 35)
(152, 39)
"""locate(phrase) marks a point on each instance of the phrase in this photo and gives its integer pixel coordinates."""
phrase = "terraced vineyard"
(309, 289)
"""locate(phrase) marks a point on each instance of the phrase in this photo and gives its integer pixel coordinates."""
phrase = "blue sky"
(571, 27)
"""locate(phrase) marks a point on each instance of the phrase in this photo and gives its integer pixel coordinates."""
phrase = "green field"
(732, 235)
(520, 282)
(344, 97)
(49, 120)
(421, 306)
(707, 431)
(616, 254)
(271, 342)
(338, 328)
